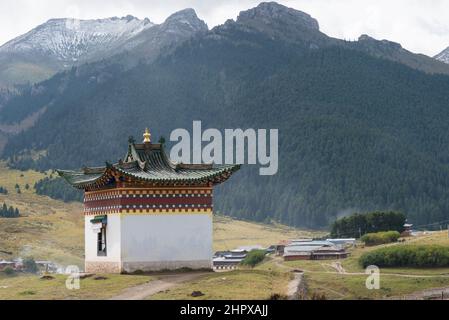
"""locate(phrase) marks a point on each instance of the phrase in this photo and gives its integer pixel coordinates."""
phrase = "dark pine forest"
(357, 133)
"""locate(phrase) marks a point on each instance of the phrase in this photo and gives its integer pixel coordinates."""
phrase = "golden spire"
(147, 136)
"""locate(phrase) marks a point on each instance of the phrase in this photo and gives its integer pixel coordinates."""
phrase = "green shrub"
(29, 265)
(9, 271)
(418, 256)
(374, 239)
(254, 257)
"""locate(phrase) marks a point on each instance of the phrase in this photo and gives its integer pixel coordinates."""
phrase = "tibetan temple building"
(146, 212)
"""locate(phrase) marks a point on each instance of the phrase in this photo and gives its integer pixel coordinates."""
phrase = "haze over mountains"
(363, 125)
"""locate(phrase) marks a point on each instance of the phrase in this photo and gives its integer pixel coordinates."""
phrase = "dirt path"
(400, 275)
(428, 294)
(295, 287)
(163, 283)
(338, 267)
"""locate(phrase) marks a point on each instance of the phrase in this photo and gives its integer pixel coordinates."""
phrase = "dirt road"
(428, 294)
(163, 283)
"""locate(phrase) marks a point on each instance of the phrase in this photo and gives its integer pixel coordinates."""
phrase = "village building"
(280, 247)
(314, 250)
(301, 240)
(250, 248)
(343, 242)
(6, 264)
(228, 259)
(232, 258)
(46, 266)
(408, 230)
(147, 213)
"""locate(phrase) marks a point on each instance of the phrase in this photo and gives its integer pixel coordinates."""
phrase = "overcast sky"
(419, 25)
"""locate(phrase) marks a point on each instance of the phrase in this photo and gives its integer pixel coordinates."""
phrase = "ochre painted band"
(157, 212)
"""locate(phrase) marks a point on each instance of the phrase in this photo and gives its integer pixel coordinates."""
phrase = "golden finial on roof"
(147, 136)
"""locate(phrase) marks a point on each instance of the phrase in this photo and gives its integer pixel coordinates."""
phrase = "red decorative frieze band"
(149, 200)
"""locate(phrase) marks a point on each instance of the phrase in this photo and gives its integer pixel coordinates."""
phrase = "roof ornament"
(131, 140)
(147, 136)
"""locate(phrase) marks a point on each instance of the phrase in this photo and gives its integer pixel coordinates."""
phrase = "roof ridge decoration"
(133, 155)
(147, 136)
(148, 164)
(88, 170)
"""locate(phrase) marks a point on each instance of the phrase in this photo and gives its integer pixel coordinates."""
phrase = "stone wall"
(102, 267)
(166, 265)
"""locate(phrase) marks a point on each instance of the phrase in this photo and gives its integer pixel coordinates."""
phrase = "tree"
(351, 134)
(59, 189)
(9, 271)
(254, 257)
(29, 265)
(10, 212)
(358, 224)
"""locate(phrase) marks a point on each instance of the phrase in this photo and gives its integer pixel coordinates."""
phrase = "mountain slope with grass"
(47, 229)
(50, 229)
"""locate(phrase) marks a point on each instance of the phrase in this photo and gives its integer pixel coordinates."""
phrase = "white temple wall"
(111, 262)
(166, 241)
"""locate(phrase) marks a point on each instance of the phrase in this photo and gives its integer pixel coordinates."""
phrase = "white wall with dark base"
(151, 243)
(155, 242)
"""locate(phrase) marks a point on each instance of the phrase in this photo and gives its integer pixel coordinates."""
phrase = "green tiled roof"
(149, 163)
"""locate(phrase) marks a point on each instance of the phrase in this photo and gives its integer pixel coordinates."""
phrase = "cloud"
(420, 26)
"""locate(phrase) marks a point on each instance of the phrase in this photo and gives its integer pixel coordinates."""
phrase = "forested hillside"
(357, 133)
(58, 189)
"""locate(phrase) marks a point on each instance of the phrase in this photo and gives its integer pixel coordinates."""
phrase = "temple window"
(101, 244)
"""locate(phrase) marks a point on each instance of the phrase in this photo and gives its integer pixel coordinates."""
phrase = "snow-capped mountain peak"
(443, 56)
(60, 44)
(71, 40)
